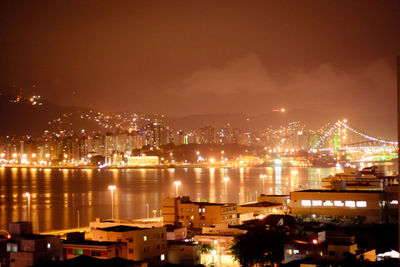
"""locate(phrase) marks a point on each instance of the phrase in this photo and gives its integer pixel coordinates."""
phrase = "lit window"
(338, 203)
(78, 251)
(306, 202)
(328, 203)
(145, 238)
(317, 203)
(296, 251)
(361, 204)
(192, 217)
(204, 209)
(289, 251)
(350, 204)
(199, 209)
(48, 245)
(162, 257)
(394, 202)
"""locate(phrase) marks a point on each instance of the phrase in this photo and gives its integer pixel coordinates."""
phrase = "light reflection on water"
(57, 195)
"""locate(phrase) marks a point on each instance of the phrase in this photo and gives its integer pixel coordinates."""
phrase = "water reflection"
(58, 195)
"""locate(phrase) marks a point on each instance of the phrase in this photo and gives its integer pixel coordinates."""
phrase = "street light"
(112, 188)
(177, 184)
(28, 214)
(319, 173)
(263, 176)
(226, 179)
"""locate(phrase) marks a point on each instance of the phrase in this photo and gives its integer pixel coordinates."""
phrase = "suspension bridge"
(341, 137)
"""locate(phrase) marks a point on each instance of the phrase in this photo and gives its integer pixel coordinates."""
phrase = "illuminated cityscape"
(199, 133)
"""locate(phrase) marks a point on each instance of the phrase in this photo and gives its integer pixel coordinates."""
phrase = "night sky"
(195, 57)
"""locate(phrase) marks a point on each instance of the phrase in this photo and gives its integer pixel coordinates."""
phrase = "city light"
(226, 179)
(177, 184)
(28, 213)
(112, 188)
(263, 176)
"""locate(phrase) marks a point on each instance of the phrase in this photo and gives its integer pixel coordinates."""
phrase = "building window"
(12, 247)
(361, 204)
(131, 251)
(130, 240)
(317, 202)
(394, 202)
(199, 209)
(145, 238)
(48, 246)
(338, 203)
(192, 217)
(306, 203)
(78, 251)
(328, 203)
(162, 257)
(191, 210)
(350, 204)
(95, 253)
(204, 209)
(289, 251)
(296, 251)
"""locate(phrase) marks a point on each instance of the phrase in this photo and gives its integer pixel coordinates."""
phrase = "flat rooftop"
(121, 228)
(89, 243)
(340, 191)
(264, 204)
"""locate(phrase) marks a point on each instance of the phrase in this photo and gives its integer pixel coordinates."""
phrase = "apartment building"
(197, 214)
(368, 206)
(143, 244)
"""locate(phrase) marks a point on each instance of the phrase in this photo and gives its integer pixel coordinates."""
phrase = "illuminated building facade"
(197, 214)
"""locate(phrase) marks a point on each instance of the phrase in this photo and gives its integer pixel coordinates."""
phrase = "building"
(258, 210)
(175, 232)
(27, 249)
(76, 245)
(364, 205)
(327, 246)
(184, 253)
(141, 223)
(143, 244)
(220, 237)
(197, 214)
(143, 161)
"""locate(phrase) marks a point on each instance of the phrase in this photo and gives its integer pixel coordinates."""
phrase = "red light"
(8, 236)
(315, 241)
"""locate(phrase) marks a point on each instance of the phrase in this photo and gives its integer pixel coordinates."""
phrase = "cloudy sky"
(195, 57)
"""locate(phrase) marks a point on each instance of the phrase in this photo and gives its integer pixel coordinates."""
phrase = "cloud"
(245, 85)
(246, 74)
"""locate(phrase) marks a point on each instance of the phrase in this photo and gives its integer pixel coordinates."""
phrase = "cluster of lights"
(342, 123)
(367, 136)
(323, 137)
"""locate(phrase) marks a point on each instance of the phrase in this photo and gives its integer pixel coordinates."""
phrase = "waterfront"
(58, 195)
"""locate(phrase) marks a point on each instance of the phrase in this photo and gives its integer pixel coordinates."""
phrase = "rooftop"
(89, 243)
(341, 191)
(263, 204)
(121, 228)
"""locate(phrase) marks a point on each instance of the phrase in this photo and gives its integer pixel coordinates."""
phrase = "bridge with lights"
(341, 138)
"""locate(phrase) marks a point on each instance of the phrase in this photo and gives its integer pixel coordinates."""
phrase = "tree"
(258, 246)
